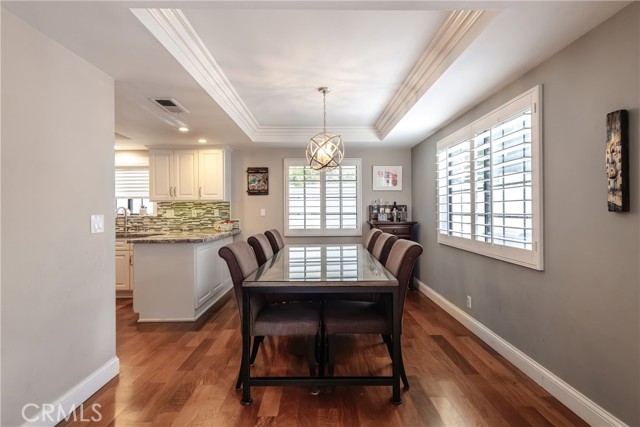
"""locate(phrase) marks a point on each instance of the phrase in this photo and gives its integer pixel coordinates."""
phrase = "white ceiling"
(248, 71)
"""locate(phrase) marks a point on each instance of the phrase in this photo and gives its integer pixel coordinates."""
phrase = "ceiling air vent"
(169, 105)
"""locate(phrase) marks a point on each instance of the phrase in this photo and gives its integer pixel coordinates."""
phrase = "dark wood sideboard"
(403, 229)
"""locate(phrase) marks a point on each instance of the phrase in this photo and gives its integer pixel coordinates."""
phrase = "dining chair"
(269, 319)
(361, 317)
(261, 247)
(382, 246)
(275, 238)
(370, 238)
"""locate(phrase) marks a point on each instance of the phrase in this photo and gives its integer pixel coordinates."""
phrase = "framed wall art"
(257, 181)
(387, 178)
(617, 161)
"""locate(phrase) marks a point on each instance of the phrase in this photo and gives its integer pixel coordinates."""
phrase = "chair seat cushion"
(355, 317)
(296, 318)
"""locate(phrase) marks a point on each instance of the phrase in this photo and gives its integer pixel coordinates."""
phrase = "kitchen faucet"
(126, 216)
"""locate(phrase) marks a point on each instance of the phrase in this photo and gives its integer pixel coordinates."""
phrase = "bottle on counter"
(394, 212)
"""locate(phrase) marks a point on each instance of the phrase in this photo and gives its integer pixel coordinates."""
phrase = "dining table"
(321, 269)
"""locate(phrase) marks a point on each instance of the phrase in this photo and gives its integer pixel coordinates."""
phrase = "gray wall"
(580, 317)
(247, 208)
(58, 322)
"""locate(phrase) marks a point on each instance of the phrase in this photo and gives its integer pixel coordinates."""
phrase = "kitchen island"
(179, 276)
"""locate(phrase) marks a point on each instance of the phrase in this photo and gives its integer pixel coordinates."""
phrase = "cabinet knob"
(131, 260)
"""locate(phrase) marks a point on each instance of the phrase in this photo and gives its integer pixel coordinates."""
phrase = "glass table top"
(330, 264)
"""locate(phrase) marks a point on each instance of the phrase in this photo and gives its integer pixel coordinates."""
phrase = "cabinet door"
(204, 273)
(185, 175)
(211, 171)
(160, 181)
(122, 270)
(219, 265)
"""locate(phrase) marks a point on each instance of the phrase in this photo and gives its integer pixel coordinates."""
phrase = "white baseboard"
(584, 407)
(58, 410)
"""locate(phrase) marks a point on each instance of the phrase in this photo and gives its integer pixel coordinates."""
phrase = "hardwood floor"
(184, 375)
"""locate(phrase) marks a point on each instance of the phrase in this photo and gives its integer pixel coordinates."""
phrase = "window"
(132, 189)
(489, 184)
(322, 203)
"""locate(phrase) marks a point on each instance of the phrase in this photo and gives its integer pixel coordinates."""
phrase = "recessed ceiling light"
(202, 141)
(183, 129)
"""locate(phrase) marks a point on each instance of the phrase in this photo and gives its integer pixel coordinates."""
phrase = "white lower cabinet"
(211, 270)
(178, 281)
(124, 266)
(204, 273)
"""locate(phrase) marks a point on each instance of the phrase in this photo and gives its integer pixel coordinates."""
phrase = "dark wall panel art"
(617, 158)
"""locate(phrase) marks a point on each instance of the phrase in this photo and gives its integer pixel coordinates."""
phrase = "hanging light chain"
(324, 103)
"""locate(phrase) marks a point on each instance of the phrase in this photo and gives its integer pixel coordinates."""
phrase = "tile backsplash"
(178, 216)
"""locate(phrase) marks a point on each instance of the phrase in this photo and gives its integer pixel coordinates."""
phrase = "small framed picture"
(617, 161)
(387, 178)
(257, 181)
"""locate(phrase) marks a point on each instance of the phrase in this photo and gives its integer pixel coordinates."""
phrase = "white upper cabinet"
(212, 175)
(187, 175)
(160, 180)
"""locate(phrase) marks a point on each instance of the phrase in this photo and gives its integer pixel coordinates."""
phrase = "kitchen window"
(322, 203)
(489, 184)
(132, 189)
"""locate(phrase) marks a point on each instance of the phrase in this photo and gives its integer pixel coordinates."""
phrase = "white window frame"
(323, 231)
(529, 258)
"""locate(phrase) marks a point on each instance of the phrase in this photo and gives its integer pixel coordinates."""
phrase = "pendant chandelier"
(325, 151)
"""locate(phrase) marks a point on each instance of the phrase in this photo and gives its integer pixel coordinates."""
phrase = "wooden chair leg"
(311, 354)
(331, 350)
(239, 382)
(256, 346)
(388, 341)
(403, 374)
(320, 356)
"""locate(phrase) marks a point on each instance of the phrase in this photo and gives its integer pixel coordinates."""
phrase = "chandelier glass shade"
(325, 150)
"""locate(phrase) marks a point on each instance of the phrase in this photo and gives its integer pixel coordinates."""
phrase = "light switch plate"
(263, 212)
(97, 224)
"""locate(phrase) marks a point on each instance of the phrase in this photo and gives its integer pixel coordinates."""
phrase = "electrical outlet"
(216, 212)
(468, 301)
(194, 213)
(263, 212)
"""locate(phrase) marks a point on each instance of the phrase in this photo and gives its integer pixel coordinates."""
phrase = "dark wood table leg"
(246, 346)
(395, 398)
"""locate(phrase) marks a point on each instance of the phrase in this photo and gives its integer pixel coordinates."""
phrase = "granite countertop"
(185, 237)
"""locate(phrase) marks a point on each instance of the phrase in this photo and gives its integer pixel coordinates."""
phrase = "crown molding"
(176, 34)
(458, 30)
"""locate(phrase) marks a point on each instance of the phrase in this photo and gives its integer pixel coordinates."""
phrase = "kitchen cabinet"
(188, 175)
(211, 271)
(178, 282)
(124, 268)
(173, 175)
(211, 175)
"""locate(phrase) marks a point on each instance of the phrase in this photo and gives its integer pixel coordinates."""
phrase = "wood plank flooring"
(184, 375)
